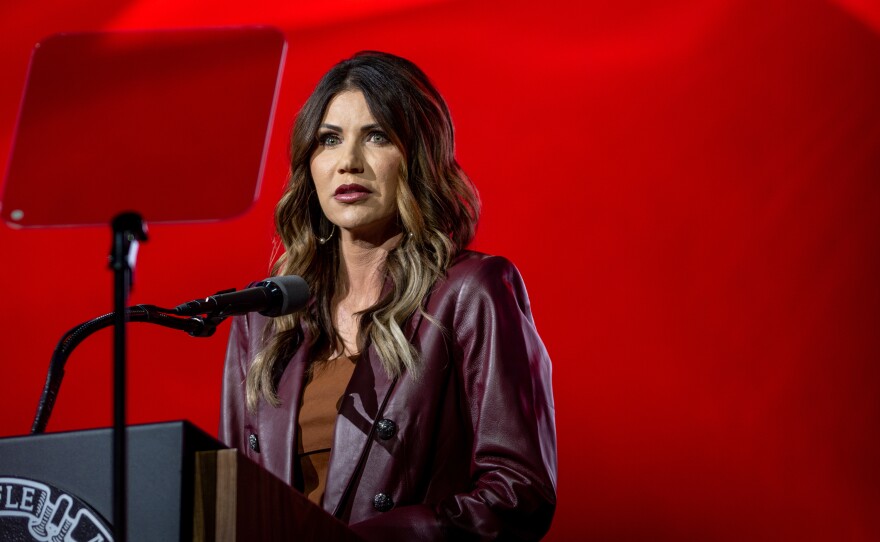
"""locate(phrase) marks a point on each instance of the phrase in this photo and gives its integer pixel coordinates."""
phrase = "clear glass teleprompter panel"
(170, 124)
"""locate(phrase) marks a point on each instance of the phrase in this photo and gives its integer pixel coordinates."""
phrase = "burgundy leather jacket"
(466, 451)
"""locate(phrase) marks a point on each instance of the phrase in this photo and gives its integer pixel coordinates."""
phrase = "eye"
(377, 137)
(328, 139)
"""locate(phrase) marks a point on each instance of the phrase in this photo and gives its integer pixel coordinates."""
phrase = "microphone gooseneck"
(276, 296)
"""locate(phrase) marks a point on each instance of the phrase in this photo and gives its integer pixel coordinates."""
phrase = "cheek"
(390, 169)
(391, 178)
(320, 174)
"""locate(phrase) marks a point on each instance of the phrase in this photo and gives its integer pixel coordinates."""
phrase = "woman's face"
(356, 169)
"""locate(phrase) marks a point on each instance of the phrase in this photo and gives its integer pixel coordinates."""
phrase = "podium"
(182, 485)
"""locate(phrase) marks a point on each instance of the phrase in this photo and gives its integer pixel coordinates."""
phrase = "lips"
(350, 193)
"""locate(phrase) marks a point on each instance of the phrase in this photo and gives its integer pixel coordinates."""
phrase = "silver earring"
(323, 240)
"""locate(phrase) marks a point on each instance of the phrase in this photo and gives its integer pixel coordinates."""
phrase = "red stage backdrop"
(691, 191)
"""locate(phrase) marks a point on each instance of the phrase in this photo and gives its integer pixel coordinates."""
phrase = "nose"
(351, 160)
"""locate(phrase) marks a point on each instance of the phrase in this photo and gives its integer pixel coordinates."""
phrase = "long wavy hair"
(438, 209)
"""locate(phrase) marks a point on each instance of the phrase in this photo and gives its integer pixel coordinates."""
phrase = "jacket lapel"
(362, 406)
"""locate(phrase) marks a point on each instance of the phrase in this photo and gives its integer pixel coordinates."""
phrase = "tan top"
(317, 418)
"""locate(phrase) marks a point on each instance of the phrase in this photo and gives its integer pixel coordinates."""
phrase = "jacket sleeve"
(232, 401)
(504, 371)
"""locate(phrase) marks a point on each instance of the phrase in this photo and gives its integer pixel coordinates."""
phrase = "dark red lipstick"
(350, 193)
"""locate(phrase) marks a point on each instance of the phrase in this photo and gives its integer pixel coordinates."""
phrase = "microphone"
(274, 296)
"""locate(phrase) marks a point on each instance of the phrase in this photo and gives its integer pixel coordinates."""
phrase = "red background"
(690, 191)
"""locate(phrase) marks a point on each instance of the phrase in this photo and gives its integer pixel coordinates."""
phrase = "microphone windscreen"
(294, 290)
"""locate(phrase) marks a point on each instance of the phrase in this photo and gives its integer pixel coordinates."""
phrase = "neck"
(361, 266)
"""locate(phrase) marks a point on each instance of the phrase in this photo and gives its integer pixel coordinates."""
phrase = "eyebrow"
(365, 128)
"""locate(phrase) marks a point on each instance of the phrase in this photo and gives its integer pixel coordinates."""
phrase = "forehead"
(348, 108)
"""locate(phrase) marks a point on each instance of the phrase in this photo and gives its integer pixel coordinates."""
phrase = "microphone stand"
(128, 230)
(199, 318)
(196, 326)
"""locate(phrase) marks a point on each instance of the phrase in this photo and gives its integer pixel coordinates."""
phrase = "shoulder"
(478, 279)
(470, 266)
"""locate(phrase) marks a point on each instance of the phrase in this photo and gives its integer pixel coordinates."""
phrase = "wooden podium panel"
(236, 501)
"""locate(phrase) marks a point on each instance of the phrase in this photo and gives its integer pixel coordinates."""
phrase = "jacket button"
(254, 442)
(382, 502)
(385, 428)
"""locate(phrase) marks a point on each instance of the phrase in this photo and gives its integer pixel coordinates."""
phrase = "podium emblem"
(35, 511)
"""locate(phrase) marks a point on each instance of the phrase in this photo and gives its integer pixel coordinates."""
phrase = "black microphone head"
(294, 294)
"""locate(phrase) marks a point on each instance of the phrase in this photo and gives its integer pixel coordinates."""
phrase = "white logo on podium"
(46, 514)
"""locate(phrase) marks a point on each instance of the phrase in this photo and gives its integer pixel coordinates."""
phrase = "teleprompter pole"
(128, 230)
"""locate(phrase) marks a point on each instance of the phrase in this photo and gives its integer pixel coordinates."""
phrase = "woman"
(412, 397)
